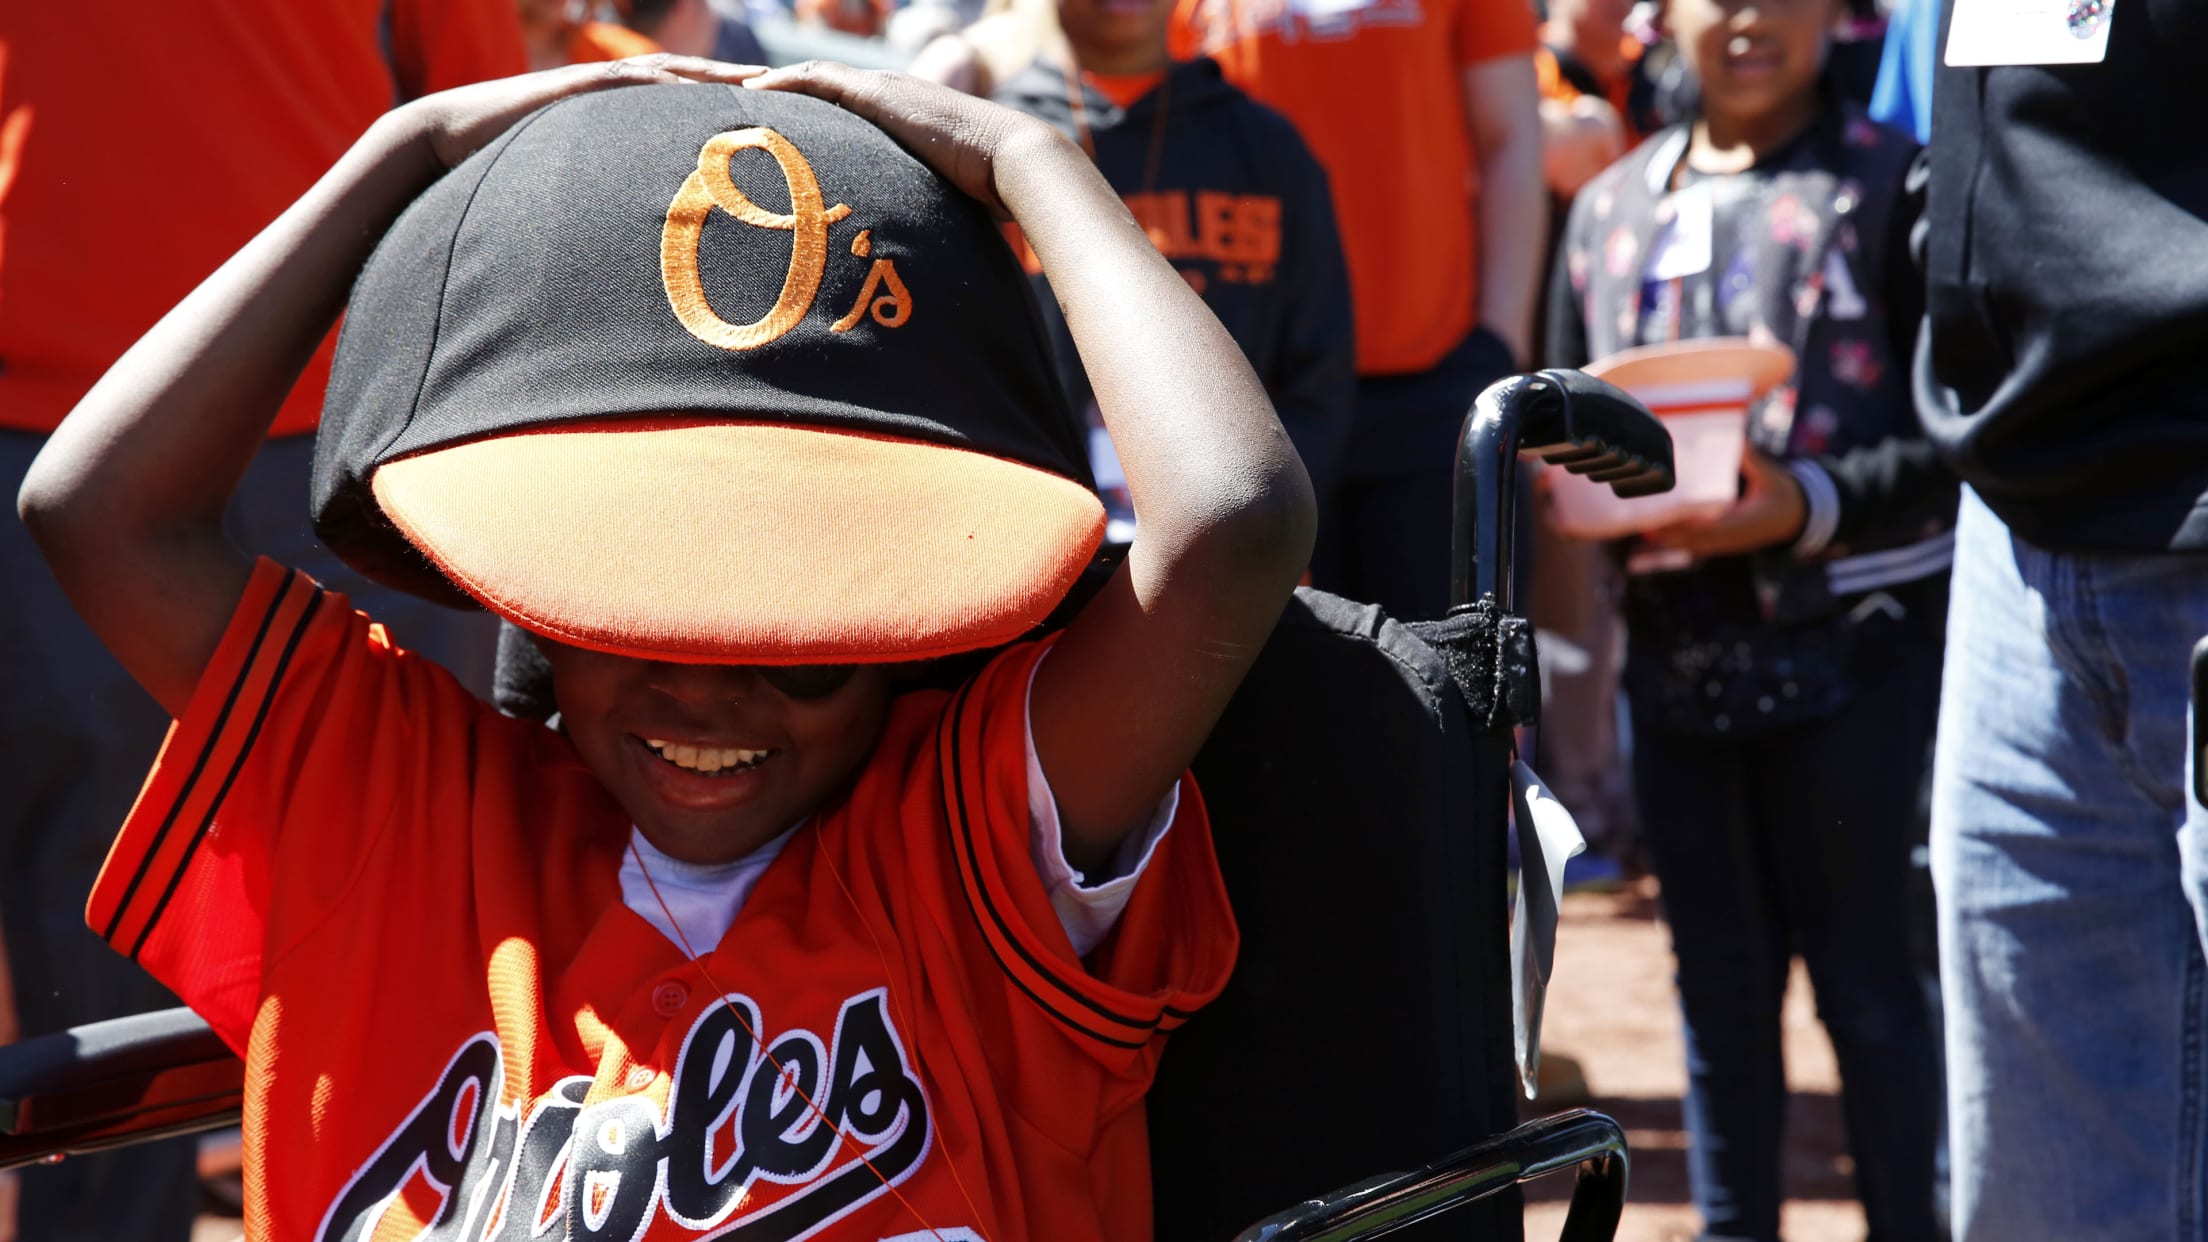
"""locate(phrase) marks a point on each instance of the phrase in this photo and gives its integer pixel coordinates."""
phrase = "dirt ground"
(1612, 1008)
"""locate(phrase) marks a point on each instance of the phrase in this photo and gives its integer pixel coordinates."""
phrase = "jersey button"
(669, 998)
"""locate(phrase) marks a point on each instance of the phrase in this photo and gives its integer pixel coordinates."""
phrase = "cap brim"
(746, 542)
(1723, 371)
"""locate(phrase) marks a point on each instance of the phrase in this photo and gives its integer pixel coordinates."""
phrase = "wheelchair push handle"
(1592, 427)
(1565, 418)
(1588, 1141)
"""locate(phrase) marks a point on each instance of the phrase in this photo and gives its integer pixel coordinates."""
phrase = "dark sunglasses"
(807, 682)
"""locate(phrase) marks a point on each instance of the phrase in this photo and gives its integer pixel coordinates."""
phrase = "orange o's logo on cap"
(806, 222)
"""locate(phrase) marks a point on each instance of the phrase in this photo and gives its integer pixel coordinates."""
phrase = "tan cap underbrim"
(758, 543)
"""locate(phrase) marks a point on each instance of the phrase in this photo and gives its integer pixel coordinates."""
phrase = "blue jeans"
(2072, 877)
(1793, 841)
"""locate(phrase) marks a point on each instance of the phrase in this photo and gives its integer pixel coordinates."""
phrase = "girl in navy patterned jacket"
(1783, 683)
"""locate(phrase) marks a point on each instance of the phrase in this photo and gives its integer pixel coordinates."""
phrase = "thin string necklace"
(788, 1078)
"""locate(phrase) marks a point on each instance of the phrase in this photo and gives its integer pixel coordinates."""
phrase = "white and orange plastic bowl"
(1702, 390)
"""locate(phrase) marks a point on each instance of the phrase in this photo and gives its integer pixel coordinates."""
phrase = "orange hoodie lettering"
(1238, 232)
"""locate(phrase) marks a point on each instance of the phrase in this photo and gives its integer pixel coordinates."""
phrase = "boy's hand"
(456, 123)
(957, 135)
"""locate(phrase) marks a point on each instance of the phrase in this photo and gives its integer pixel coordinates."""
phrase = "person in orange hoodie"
(133, 161)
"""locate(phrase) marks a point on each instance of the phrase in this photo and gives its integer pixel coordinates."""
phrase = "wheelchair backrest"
(1367, 1025)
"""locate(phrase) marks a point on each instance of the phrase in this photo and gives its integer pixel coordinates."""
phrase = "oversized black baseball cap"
(706, 373)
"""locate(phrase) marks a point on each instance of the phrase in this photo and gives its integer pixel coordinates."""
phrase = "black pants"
(1384, 532)
(1798, 841)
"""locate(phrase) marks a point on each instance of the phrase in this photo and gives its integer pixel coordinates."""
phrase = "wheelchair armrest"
(1581, 1138)
(110, 1084)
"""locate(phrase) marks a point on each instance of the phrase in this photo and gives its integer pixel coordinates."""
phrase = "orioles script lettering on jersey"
(734, 1123)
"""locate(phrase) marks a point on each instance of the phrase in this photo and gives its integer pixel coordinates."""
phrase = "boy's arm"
(126, 498)
(1135, 684)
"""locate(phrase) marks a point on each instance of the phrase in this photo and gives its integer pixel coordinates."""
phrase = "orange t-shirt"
(139, 151)
(405, 910)
(1376, 87)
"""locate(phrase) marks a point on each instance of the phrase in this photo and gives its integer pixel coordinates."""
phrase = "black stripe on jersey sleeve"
(199, 763)
(954, 804)
(245, 750)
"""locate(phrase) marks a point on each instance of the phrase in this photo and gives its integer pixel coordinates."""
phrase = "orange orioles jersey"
(404, 909)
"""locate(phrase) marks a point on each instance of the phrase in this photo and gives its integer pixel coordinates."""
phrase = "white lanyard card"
(2029, 32)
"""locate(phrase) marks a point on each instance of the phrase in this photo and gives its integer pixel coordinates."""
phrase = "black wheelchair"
(1358, 787)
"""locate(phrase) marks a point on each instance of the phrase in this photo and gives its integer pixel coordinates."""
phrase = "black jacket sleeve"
(1313, 376)
(1896, 489)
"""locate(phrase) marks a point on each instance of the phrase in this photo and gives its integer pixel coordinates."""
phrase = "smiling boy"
(738, 409)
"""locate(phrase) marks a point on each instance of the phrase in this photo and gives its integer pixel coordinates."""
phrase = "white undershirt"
(705, 898)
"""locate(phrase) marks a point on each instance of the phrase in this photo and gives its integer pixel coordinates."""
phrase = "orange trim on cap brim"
(761, 543)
